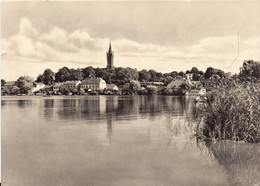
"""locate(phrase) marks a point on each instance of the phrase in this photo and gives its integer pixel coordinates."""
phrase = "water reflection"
(180, 129)
(3, 103)
(109, 128)
(24, 103)
(123, 108)
(241, 161)
(48, 105)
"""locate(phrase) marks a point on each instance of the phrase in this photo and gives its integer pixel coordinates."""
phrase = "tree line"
(122, 76)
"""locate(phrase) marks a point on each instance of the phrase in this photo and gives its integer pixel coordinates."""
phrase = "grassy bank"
(232, 112)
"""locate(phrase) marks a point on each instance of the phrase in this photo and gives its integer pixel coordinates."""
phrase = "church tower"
(110, 58)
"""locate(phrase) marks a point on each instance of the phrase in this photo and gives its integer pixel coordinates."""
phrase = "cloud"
(22, 46)
(26, 28)
(58, 47)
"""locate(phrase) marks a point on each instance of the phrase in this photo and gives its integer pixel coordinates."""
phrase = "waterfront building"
(93, 84)
(56, 87)
(196, 92)
(71, 84)
(209, 83)
(9, 85)
(37, 86)
(189, 77)
(176, 83)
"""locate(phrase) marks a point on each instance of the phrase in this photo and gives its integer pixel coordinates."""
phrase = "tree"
(40, 78)
(196, 74)
(167, 79)
(181, 73)
(25, 83)
(3, 82)
(12, 91)
(194, 70)
(249, 70)
(209, 72)
(174, 74)
(89, 72)
(63, 75)
(166, 91)
(144, 75)
(155, 76)
(124, 75)
(151, 90)
(135, 86)
(48, 75)
(76, 74)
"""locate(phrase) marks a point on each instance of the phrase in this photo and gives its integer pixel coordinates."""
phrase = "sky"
(165, 36)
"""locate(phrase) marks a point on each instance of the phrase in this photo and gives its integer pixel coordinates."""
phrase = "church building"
(110, 58)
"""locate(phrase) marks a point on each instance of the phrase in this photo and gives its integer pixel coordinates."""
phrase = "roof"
(57, 84)
(10, 83)
(92, 81)
(176, 83)
(70, 82)
(38, 83)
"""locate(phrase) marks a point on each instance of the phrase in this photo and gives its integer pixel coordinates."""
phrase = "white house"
(93, 84)
(37, 86)
(71, 84)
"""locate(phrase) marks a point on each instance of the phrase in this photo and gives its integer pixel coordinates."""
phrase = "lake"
(116, 141)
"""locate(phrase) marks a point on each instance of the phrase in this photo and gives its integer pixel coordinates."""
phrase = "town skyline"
(143, 36)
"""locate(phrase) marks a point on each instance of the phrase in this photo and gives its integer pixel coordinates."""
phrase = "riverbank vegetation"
(233, 108)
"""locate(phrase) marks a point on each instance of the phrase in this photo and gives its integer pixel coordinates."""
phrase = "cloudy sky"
(164, 36)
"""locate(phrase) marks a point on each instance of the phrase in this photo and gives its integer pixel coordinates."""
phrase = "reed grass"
(232, 112)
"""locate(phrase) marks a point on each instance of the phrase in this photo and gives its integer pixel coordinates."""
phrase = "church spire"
(110, 48)
(110, 57)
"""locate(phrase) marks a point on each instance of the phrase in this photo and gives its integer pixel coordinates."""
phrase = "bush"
(232, 112)
(151, 90)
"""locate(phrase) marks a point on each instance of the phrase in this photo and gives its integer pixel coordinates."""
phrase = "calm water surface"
(116, 141)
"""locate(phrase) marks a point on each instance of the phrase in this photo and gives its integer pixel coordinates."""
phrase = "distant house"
(196, 91)
(10, 84)
(93, 84)
(189, 77)
(56, 87)
(176, 83)
(208, 83)
(71, 84)
(111, 87)
(37, 86)
(196, 84)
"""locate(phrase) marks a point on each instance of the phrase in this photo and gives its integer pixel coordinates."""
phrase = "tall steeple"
(110, 57)
(110, 48)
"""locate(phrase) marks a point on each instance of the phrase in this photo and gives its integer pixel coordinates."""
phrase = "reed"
(232, 112)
